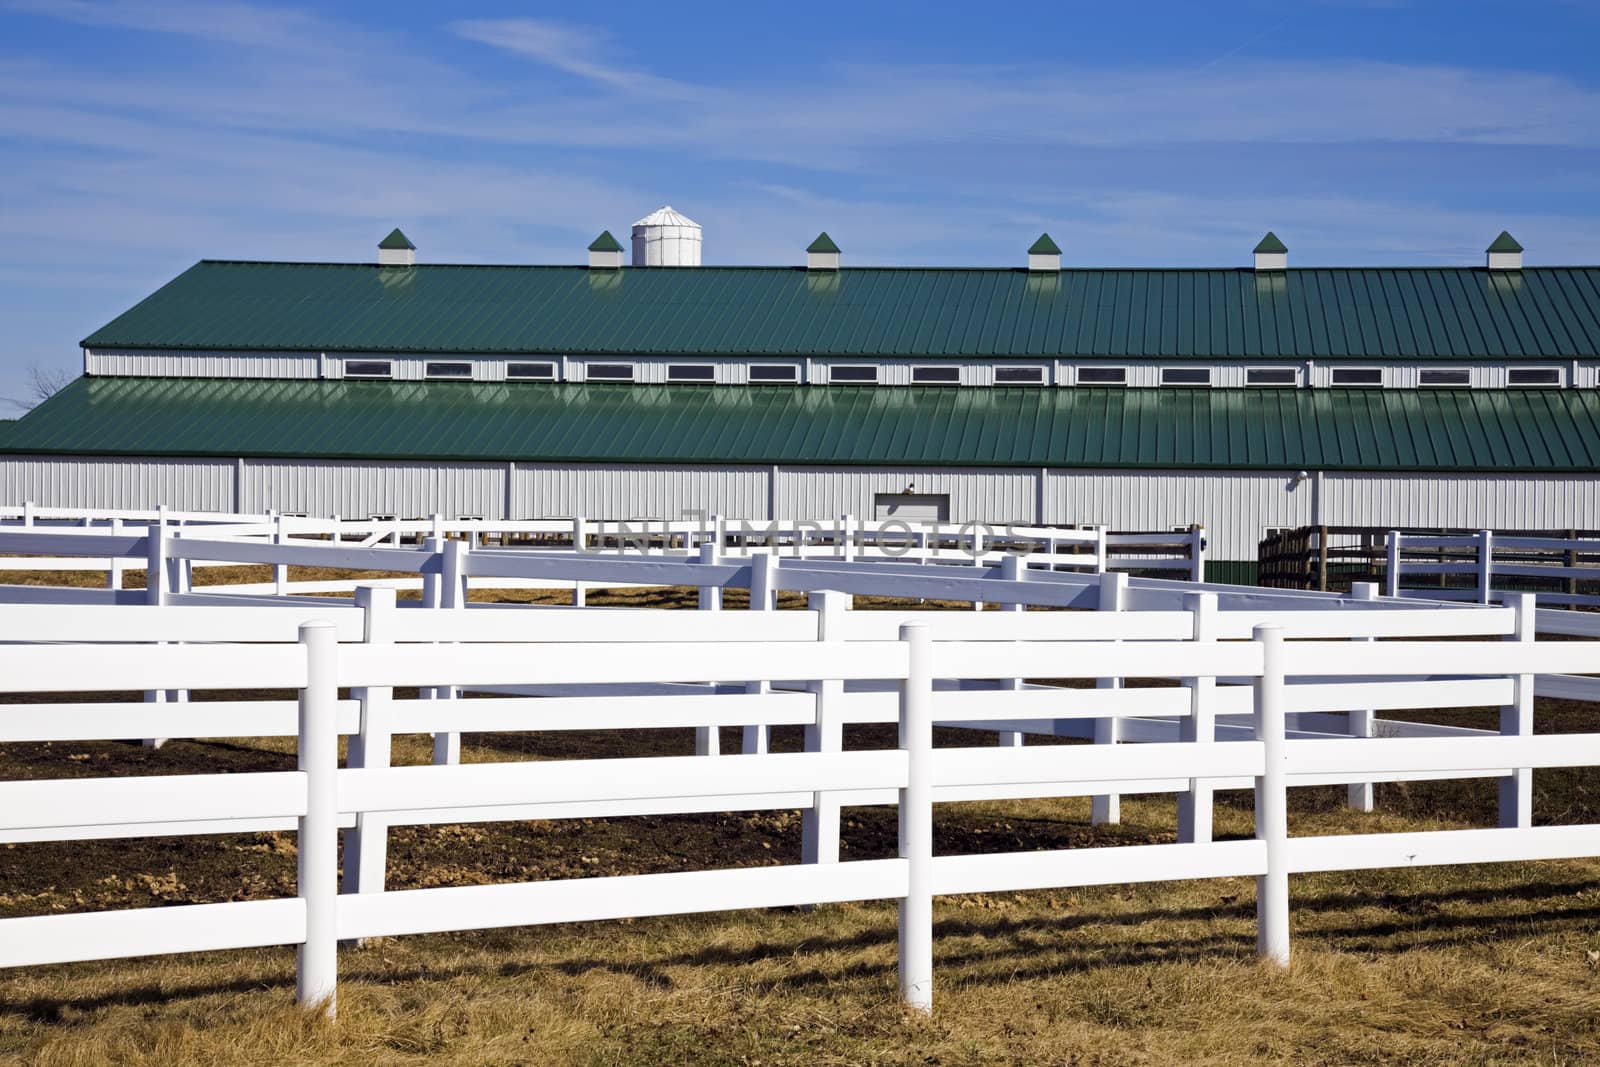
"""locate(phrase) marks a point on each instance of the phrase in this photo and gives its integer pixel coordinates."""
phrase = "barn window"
(1534, 376)
(854, 375)
(531, 372)
(1446, 378)
(610, 372)
(368, 368)
(448, 370)
(774, 373)
(1019, 375)
(1271, 376)
(1185, 375)
(1358, 376)
(936, 375)
(691, 372)
(1102, 375)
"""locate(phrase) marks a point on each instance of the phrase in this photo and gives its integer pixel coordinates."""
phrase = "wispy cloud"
(583, 51)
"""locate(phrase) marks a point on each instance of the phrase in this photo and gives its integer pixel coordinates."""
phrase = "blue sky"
(138, 136)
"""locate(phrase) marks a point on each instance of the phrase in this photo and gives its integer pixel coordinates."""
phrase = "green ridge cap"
(1270, 245)
(605, 243)
(823, 243)
(396, 239)
(1044, 247)
(1504, 243)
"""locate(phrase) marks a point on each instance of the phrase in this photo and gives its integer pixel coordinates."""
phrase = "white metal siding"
(78, 482)
(357, 490)
(1233, 506)
(1472, 501)
(994, 495)
(628, 492)
(151, 364)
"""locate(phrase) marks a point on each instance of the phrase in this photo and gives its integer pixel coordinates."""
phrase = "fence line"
(914, 680)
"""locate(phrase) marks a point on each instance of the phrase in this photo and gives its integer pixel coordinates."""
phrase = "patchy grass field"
(1467, 965)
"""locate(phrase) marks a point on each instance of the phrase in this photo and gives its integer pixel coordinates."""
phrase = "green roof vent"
(396, 250)
(1271, 253)
(605, 252)
(1044, 254)
(1505, 253)
(822, 254)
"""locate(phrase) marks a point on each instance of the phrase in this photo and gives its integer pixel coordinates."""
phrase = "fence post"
(280, 571)
(707, 739)
(317, 973)
(1013, 568)
(763, 587)
(452, 597)
(27, 514)
(1361, 722)
(916, 821)
(1195, 806)
(1102, 551)
(1272, 802)
(819, 826)
(1391, 565)
(580, 545)
(157, 575)
(1107, 809)
(1485, 564)
(1197, 552)
(114, 574)
(847, 537)
(1516, 719)
(366, 844)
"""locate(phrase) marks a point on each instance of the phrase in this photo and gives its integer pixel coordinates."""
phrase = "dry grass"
(1470, 965)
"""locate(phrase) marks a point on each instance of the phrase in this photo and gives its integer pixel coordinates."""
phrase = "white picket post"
(27, 514)
(580, 545)
(707, 739)
(1012, 569)
(317, 971)
(367, 843)
(916, 821)
(280, 571)
(1107, 808)
(1516, 719)
(1272, 801)
(1197, 553)
(763, 589)
(1361, 722)
(114, 574)
(1391, 572)
(1195, 807)
(1102, 551)
(452, 597)
(156, 593)
(847, 537)
(1485, 565)
(819, 826)
(977, 547)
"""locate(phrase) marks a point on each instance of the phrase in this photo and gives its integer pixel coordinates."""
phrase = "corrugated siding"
(1513, 502)
(357, 490)
(620, 492)
(1234, 506)
(148, 364)
(1402, 313)
(997, 495)
(78, 482)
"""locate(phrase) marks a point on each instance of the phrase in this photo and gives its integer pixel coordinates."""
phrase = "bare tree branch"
(42, 384)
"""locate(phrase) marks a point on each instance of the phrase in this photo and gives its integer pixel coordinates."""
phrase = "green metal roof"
(1044, 247)
(1421, 313)
(823, 243)
(605, 243)
(1271, 245)
(1504, 243)
(1543, 430)
(395, 240)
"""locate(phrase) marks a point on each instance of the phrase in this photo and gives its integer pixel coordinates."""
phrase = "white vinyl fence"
(1478, 567)
(820, 668)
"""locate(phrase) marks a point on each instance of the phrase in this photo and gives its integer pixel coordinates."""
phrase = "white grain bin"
(666, 239)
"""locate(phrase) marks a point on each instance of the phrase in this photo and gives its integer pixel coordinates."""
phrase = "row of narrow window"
(865, 374)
